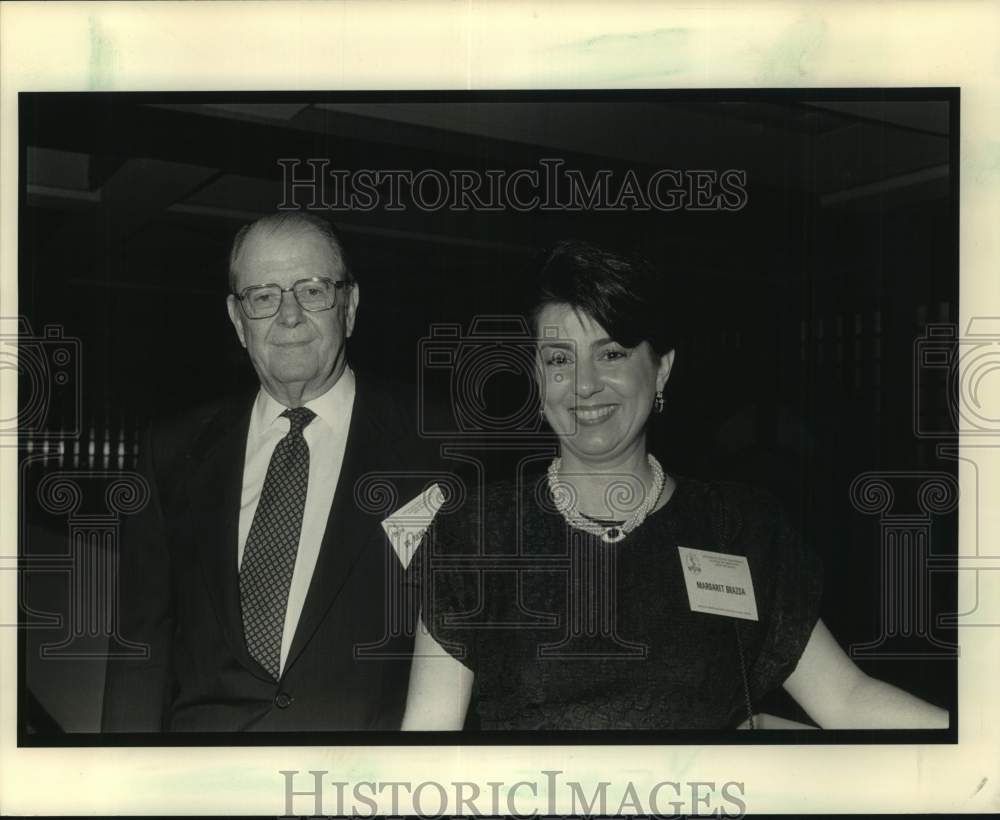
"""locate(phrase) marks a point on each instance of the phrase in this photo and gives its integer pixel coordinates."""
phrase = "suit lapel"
(348, 528)
(216, 490)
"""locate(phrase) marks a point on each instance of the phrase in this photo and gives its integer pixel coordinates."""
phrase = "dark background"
(797, 315)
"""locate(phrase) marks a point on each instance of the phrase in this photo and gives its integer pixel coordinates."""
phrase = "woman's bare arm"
(838, 695)
(440, 687)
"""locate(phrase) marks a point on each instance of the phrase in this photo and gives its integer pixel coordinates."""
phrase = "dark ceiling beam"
(106, 126)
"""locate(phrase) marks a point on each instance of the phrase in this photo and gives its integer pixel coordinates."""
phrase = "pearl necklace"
(609, 534)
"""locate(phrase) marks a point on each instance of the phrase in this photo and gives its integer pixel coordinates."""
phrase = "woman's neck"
(608, 490)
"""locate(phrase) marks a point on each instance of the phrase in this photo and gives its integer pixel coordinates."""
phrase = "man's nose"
(290, 311)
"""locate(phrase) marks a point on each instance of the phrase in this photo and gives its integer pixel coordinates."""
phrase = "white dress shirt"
(326, 436)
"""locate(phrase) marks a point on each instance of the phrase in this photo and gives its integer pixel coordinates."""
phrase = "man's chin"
(290, 366)
(291, 376)
(288, 382)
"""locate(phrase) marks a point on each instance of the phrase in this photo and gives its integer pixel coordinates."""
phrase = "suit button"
(283, 700)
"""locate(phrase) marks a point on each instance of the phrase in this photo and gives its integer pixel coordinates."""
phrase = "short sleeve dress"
(565, 631)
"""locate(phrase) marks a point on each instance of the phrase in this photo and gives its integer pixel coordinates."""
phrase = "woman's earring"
(658, 402)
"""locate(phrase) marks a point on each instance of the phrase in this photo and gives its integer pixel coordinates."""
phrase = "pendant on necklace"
(616, 532)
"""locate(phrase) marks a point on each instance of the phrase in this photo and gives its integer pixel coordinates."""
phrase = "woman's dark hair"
(621, 293)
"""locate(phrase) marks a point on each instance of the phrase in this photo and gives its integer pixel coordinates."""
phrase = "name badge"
(405, 527)
(718, 583)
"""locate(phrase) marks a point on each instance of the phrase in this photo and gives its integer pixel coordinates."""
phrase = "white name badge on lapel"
(405, 527)
(718, 583)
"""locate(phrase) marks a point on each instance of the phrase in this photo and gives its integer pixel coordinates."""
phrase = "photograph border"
(102, 48)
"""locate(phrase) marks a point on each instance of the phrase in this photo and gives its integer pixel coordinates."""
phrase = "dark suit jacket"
(348, 665)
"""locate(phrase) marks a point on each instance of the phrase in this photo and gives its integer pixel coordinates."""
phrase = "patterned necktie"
(273, 541)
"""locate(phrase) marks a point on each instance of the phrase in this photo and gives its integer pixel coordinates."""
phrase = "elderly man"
(258, 575)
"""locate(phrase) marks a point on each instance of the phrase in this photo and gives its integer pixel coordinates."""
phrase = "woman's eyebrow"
(567, 345)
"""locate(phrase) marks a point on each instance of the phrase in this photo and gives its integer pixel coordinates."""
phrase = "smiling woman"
(609, 594)
(604, 359)
(596, 390)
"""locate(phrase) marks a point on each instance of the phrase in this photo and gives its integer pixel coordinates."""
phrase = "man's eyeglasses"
(315, 294)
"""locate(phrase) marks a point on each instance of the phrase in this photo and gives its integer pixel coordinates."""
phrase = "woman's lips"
(593, 415)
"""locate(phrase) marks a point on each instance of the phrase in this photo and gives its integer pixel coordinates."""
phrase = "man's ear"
(352, 309)
(663, 371)
(236, 317)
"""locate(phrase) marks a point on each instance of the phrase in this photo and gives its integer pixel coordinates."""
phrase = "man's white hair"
(292, 222)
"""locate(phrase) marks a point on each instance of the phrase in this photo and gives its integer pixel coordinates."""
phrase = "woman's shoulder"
(730, 509)
(496, 505)
(725, 496)
(500, 493)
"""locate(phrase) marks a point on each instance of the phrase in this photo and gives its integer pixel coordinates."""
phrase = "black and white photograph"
(485, 421)
(619, 427)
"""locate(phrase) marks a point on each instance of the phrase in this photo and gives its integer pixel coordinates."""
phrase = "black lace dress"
(564, 631)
